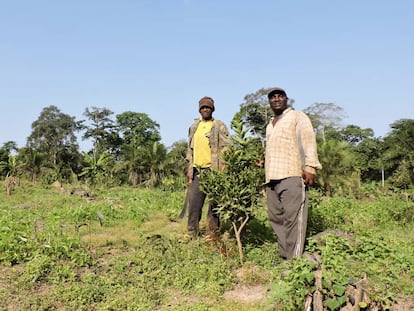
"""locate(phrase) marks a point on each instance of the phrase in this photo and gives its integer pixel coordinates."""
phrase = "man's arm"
(308, 141)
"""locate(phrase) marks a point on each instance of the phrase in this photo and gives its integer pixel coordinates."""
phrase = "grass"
(126, 250)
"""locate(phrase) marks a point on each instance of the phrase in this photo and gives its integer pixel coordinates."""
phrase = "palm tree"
(399, 151)
(10, 166)
(156, 156)
(97, 170)
(32, 162)
(133, 163)
(338, 166)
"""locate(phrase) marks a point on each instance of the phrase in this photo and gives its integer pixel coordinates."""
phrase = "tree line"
(127, 149)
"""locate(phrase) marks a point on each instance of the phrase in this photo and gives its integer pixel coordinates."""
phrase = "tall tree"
(365, 148)
(54, 134)
(370, 159)
(133, 164)
(255, 112)
(102, 131)
(354, 134)
(8, 147)
(139, 133)
(325, 115)
(399, 152)
(137, 128)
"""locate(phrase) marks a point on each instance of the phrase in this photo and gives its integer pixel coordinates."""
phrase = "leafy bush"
(236, 190)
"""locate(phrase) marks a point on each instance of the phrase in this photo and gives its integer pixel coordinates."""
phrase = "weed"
(129, 253)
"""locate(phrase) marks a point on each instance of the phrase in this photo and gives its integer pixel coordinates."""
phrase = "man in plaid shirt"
(291, 161)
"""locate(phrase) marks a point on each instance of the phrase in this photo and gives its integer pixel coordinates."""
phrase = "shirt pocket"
(284, 134)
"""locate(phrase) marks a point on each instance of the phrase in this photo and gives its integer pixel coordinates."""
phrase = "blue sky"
(160, 57)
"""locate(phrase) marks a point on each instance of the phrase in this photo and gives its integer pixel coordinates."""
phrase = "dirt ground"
(247, 294)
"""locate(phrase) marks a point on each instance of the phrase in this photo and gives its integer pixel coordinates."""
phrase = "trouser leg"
(288, 214)
(276, 217)
(213, 220)
(294, 199)
(197, 199)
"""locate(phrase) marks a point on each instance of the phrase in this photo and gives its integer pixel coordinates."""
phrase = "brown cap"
(206, 102)
(276, 90)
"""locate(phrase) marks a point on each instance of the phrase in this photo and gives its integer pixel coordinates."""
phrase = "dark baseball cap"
(276, 90)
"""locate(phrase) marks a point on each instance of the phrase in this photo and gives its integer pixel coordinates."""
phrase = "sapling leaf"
(100, 217)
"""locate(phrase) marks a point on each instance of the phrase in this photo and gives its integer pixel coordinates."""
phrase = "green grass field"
(126, 249)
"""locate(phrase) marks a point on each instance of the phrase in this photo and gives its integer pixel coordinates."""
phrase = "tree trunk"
(237, 232)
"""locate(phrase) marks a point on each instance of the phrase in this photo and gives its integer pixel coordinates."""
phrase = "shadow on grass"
(257, 232)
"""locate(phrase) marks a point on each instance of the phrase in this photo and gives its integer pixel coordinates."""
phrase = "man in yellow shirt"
(208, 138)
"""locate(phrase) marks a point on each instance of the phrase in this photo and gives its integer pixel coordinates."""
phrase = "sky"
(159, 57)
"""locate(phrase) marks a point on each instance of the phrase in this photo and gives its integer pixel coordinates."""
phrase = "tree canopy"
(127, 148)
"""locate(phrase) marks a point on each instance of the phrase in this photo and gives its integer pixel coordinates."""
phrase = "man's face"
(278, 102)
(206, 113)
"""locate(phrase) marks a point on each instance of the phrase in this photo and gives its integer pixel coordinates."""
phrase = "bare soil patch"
(247, 293)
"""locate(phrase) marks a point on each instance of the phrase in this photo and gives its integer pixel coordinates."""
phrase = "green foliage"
(6, 162)
(133, 140)
(236, 189)
(175, 166)
(336, 273)
(266, 255)
(255, 113)
(339, 173)
(353, 134)
(137, 129)
(289, 292)
(31, 237)
(402, 175)
(32, 162)
(389, 211)
(156, 155)
(399, 152)
(370, 160)
(38, 269)
(10, 167)
(98, 171)
(370, 255)
(125, 251)
(329, 213)
(54, 134)
(335, 213)
(102, 131)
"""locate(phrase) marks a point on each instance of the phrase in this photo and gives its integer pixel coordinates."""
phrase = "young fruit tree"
(237, 188)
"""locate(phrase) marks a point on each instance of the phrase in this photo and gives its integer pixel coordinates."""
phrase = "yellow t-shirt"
(202, 150)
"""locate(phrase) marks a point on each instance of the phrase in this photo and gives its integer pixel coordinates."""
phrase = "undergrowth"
(126, 250)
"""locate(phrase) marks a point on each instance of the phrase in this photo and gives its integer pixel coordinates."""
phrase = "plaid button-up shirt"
(290, 146)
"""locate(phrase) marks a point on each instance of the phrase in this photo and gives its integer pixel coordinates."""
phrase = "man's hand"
(260, 162)
(308, 178)
(189, 178)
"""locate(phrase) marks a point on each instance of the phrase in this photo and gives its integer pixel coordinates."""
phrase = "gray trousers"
(196, 203)
(288, 214)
